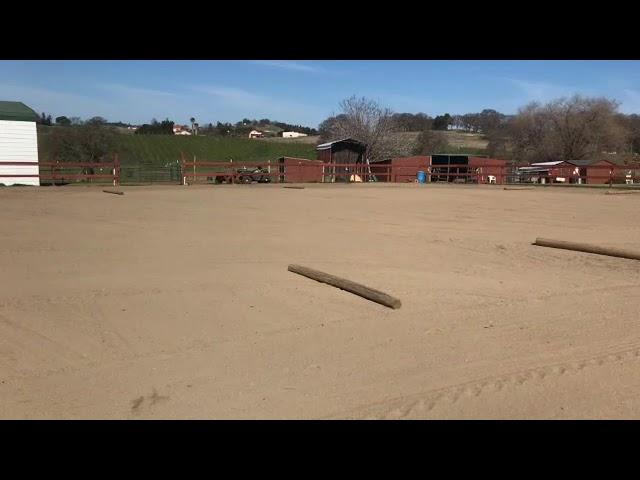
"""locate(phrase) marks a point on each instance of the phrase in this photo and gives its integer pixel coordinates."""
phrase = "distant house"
(293, 134)
(181, 130)
(18, 144)
(256, 134)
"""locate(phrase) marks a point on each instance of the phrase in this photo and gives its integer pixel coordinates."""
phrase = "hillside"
(162, 149)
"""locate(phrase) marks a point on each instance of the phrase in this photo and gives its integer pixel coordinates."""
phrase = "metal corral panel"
(379, 171)
(18, 143)
(299, 170)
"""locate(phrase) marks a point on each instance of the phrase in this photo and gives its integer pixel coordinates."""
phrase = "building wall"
(293, 134)
(487, 167)
(600, 174)
(18, 143)
(405, 169)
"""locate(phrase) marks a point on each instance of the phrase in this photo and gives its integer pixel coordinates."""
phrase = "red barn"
(593, 172)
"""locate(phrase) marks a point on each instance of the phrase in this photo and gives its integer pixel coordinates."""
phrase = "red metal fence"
(228, 172)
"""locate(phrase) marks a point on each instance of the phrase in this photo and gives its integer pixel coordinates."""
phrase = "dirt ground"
(176, 302)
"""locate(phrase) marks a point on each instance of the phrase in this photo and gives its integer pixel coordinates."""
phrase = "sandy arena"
(175, 302)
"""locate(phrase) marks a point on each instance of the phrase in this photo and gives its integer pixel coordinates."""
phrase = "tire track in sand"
(420, 404)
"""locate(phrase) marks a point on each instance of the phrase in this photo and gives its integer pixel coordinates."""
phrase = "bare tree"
(364, 120)
(567, 129)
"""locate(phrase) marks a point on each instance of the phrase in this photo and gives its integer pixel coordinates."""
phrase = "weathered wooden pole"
(584, 247)
(353, 287)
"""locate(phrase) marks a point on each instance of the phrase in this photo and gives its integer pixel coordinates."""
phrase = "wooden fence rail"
(55, 171)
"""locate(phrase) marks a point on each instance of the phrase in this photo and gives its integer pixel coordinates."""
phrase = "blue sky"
(303, 91)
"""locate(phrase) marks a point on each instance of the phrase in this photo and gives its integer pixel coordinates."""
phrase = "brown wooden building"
(346, 151)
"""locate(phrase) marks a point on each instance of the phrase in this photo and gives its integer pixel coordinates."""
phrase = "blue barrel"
(422, 177)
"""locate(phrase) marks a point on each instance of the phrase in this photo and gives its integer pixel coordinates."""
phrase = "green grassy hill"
(162, 149)
(158, 150)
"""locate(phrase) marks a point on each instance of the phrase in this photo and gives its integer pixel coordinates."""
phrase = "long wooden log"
(521, 188)
(353, 287)
(113, 191)
(584, 247)
(298, 188)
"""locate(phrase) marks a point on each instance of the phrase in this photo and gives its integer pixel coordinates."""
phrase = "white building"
(256, 134)
(18, 144)
(181, 130)
(293, 134)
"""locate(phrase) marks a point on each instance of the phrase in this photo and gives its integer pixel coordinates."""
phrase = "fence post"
(116, 170)
(183, 172)
(610, 177)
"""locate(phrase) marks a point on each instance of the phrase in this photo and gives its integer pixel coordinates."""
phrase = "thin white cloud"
(120, 89)
(541, 91)
(246, 103)
(288, 65)
(231, 95)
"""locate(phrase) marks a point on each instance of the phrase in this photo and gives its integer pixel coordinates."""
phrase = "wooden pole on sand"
(353, 287)
(584, 247)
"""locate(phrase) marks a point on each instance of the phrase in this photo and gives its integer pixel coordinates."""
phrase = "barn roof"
(325, 146)
(16, 111)
(547, 164)
(586, 163)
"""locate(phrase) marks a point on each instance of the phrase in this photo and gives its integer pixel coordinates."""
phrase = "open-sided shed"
(346, 152)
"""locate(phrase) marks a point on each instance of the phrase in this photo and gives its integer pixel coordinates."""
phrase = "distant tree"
(567, 129)
(43, 119)
(632, 124)
(155, 128)
(409, 122)
(489, 120)
(471, 122)
(431, 142)
(63, 121)
(97, 121)
(457, 122)
(86, 143)
(365, 120)
(441, 122)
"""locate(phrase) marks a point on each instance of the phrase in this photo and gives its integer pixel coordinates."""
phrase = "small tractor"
(247, 175)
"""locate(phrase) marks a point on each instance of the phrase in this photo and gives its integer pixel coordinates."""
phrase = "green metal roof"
(16, 111)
